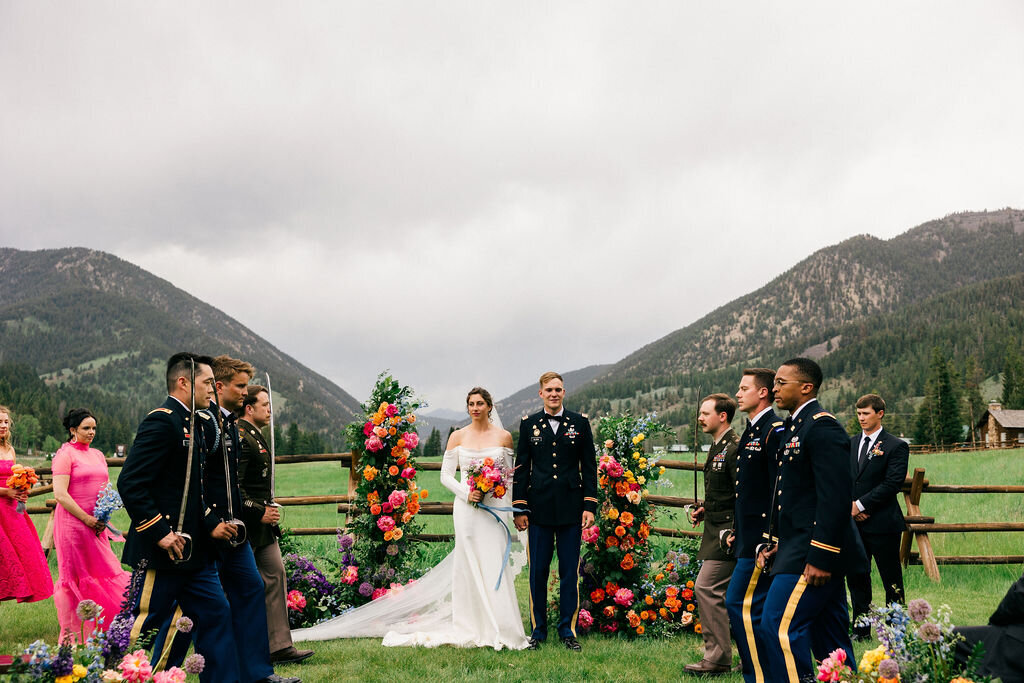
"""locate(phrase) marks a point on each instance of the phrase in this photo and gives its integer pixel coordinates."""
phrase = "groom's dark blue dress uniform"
(556, 481)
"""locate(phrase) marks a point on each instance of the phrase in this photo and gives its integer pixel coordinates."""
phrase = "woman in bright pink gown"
(24, 573)
(87, 568)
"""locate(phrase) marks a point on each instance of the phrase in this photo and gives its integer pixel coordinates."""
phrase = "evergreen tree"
(432, 449)
(974, 403)
(1013, 380)
(294, 439)
(938, 418)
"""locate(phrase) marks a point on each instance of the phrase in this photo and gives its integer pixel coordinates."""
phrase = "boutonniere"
(876, 451)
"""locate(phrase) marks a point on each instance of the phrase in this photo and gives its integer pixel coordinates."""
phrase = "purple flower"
(392, 549)
(673, 577)
(919, 609)
(194, 664)
(345, 541)
(183, 624)
(365, 589)
(63, 663)
(888, 668)
(88, 610)
(391, 573)
(929, 632)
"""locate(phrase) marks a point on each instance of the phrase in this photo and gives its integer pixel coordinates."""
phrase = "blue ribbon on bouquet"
(494, 510)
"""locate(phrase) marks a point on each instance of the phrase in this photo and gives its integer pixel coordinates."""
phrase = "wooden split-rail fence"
(919, 526)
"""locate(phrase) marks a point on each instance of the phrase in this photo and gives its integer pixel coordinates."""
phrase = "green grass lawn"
(972, 591)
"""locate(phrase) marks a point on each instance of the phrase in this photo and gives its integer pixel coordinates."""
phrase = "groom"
(555, 482)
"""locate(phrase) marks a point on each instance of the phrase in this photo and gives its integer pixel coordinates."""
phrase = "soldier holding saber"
(262, 515)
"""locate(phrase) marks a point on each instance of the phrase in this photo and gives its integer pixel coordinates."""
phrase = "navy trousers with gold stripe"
(744, 601)
(543, 540)
(200, 595)
(801, 623)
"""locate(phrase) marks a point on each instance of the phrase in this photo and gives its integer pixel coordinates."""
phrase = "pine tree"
(975, 404)
(433, 447)
(1013, 380)
(938, 418)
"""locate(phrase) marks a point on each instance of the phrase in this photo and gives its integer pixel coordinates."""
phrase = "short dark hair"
(764, 378)
(180, 364)
(873, 401)
(723, 404)
(252, 393)
(808, 370)
(75, 417)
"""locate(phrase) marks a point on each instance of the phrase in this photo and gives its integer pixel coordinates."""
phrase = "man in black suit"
(1003, 638)
(555, 482)
(878, 462)
(805, 609)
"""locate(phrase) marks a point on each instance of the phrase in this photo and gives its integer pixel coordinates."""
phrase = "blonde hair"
(548, 376)
(225, 368)
(5, 442)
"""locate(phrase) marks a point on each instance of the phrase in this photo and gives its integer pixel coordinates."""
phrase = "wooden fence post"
(924, 545)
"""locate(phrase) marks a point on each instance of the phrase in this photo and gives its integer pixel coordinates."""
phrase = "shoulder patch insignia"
(160, 410)
(777, 424)
(824, 414)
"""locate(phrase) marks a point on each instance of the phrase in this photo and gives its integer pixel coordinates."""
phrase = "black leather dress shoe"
(290, 655)
(274, 678)
(571, 644)
(534, 644)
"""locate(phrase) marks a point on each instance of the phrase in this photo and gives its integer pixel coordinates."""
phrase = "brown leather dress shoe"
(290, 655)
(706, 668)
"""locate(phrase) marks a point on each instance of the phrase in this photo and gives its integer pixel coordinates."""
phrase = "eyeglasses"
(780, 382)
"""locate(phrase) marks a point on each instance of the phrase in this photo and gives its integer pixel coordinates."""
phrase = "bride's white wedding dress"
(455, 603)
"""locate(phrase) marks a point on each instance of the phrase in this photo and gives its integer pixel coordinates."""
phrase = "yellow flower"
(63, 679)
(78, 671)
(641, 480)
(661, 470)
(612, 514)
(636, 456)
(643, 463)
(638, 438)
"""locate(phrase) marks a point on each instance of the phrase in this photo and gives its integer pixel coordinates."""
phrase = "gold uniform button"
(556, 476)
(555, 466)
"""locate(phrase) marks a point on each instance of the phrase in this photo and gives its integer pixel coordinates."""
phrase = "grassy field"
(972, 591)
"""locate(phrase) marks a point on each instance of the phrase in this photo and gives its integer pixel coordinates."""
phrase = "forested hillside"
(97, 330)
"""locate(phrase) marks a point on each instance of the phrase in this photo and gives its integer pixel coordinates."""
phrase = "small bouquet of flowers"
(22, 479)
(107, 501)
(489, 476)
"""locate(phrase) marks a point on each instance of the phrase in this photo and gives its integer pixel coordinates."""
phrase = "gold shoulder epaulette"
(824, 414)
(585, 416)
(160, 410)
(203, 414)
(778, 424)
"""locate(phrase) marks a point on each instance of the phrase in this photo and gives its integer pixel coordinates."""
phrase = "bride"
(469, 598)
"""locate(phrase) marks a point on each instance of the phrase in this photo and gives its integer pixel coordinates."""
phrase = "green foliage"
(433, 447)
(938, 418)
(1013, 379)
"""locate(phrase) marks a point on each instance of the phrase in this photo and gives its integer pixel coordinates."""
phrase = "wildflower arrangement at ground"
(616, 556)
(312, 597)
(387, 498)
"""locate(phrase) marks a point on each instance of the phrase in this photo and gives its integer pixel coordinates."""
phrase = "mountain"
(869, 308)
(526, 400)
(100, 330)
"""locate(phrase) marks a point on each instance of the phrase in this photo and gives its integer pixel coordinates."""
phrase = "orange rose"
(626, 518)
(377, 419)
(611, 542)
(410, 418)
(423, 494)
(392, 431)
(369, 473)
(621, 489)
(373, 497)
(489, 462)
(596, 595)
(387, 535)
(649, 600)
(627, 562)
(645, 531)
(689, 607)
(401, 443)
(663, 612)
(499, 491)
(620, 531)
(640, 630)
(375, 509)
(397, 534)
(393, 470)
(634, 619)
(659, 576)
(689, 584)
(413, 507)
(671, 591)
(406, 517)
(698, 629)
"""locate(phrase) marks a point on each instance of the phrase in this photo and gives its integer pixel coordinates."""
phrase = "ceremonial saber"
(273, 450)
(186, 551)
(241, 532)
(696, 446)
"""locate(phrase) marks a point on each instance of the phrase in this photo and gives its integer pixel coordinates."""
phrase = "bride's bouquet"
(488, 475)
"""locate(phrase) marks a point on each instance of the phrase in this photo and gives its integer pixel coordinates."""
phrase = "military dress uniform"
(815, 528)
(236, 565)
(555, 481)
(152, 484)
(254, 469)
(744, 600)
(713, 578)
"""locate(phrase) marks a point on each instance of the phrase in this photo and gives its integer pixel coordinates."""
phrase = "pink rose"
(388, 508)
(397, 498)
(172, 675)
(296, 600)
(385, 523)
(411, 439)
(624, 597)
(379, 593)
(367, 429)
(584, 619)
(391, 410)
(408, 473)
(590, 534)
(135, 667)
(374, 444)
(350, 575)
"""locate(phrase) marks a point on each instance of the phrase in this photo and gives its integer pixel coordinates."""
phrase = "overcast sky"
(476, 192)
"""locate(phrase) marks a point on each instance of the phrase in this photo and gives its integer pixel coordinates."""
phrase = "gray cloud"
(472, 192)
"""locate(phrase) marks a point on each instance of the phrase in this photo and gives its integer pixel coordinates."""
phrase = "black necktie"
(862, 460)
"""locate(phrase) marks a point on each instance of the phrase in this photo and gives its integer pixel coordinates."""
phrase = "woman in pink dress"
(24, 574)
(87, 568)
